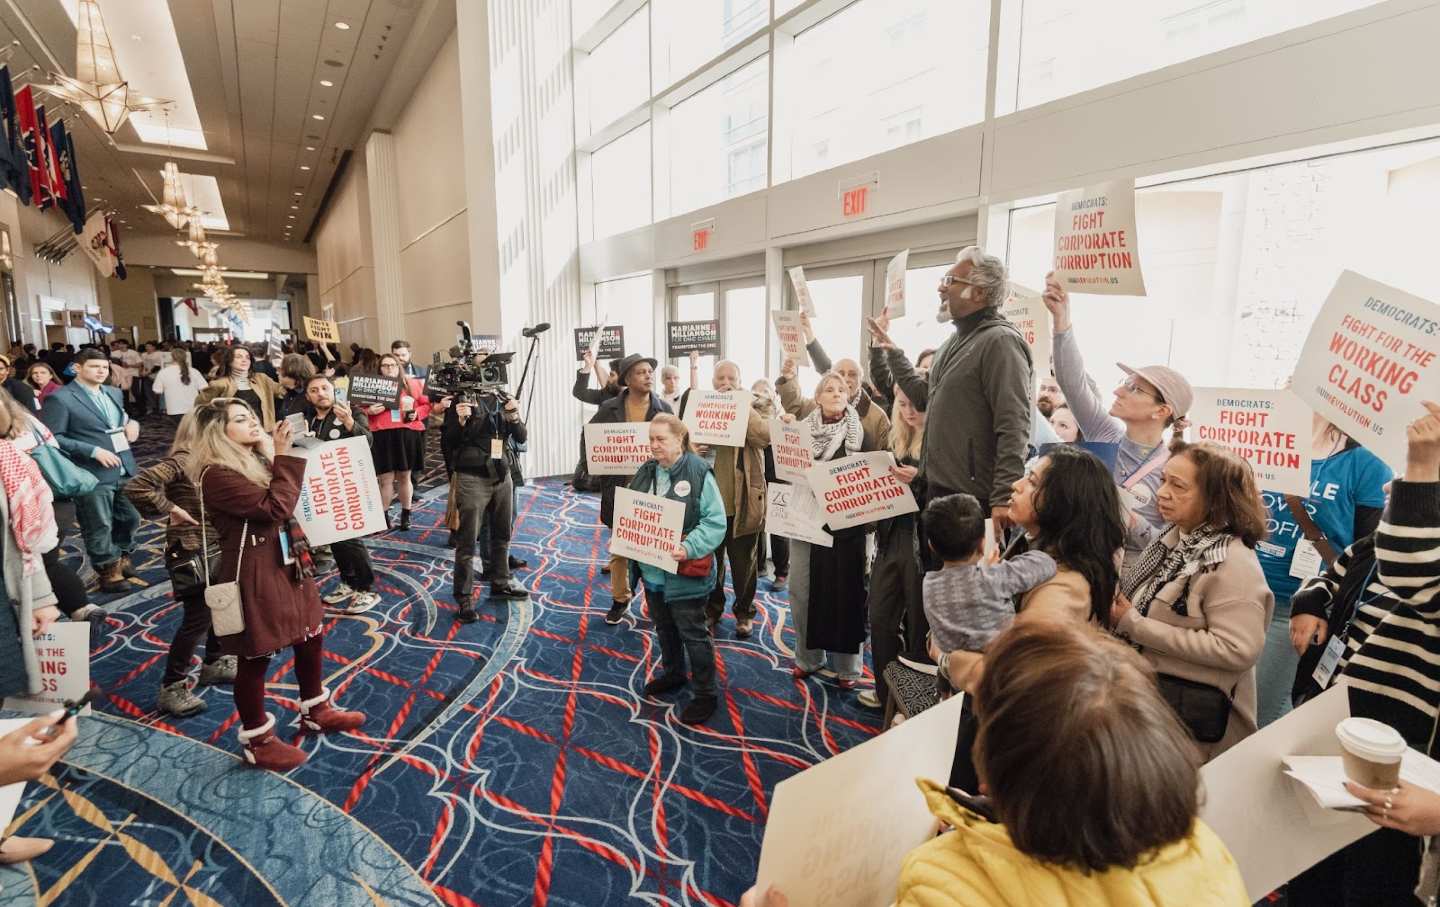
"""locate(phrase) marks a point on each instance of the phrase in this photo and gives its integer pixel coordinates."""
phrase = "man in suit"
(400, 349)
(90, 424)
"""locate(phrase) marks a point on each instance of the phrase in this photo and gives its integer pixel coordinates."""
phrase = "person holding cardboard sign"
(398, 436)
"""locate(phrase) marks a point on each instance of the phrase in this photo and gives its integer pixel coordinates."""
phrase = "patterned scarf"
(32, 515)
(827, 437)
(1199, 552)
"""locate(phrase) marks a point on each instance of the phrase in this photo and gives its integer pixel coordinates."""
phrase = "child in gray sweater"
(969, 601)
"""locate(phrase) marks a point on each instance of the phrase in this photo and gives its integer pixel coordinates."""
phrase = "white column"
(472, 29)
(384, 190)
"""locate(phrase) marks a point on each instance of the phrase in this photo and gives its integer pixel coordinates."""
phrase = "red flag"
(50, 161)
(25, 109)
(190, 304)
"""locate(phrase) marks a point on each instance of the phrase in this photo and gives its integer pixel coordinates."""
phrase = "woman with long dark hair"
(179, 384)
(398, 436)
(236, 379)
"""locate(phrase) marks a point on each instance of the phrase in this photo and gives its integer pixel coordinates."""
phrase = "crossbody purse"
(227, 617)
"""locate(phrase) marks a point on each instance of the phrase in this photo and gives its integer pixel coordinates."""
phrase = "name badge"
(1270, 548)
(497, 449)
(1329, 661)
(118, 440)
(1306, 561)
(394, 415)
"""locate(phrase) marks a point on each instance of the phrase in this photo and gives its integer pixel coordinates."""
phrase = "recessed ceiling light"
(304, 166)
(298, 194)
(343, 26)
(307, 148)
(291, 216)
(327, 83)
(294, 207)
(317, 116)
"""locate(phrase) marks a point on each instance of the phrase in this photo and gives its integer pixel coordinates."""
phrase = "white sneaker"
(342, 593)
(362, 602)
(868, 699)
(920, 666)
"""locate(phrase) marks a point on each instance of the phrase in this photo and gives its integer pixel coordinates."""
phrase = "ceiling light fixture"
(98, 88)
(343, 26)
(298, 193)
(307, 148)
(327, 83)
(173, 206)
(304, 166)
(317, 116)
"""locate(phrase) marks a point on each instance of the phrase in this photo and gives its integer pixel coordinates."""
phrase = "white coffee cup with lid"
(1371, 751)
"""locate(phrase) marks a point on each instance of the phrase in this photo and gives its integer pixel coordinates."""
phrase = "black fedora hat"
(629, 362)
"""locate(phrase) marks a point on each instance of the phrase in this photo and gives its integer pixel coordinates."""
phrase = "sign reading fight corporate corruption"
(368, 390)
(856, 490)
(63, 652)
(1096, 250)
(792, 336)
(791, 512)
(1269, 429)
(321, 331)
(616, 448)
(340, 493)
(688, 337)
(895, 284)
(792, 448)
(718, 417)
(1026, 310)
(1369, 361)
(647, 528)
(612, 342)
(802, 291)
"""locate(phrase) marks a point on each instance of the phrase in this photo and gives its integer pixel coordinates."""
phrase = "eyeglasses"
(951, 279)
(1133, 387)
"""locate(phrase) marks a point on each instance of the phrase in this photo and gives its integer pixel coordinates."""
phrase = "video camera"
(471, 372)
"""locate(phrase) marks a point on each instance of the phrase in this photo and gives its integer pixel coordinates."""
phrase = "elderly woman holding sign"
(832, 580)
(677, 600)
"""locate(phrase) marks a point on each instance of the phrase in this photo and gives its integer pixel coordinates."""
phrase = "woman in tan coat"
(1196, 602)
(235, 379)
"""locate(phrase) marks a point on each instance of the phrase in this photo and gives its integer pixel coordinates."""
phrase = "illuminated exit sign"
(701, 232)
(857, 195)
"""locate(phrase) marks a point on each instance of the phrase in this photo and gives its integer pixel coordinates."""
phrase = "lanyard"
(106, 408)
(1158, 458)
(1360, 602)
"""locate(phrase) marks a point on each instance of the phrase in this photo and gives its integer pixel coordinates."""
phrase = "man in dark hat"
(636, 402)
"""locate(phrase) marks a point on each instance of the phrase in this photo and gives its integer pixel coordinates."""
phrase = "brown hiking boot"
(112, 580)
(127, 570)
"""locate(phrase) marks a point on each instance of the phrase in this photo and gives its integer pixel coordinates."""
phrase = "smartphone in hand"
(73, 707)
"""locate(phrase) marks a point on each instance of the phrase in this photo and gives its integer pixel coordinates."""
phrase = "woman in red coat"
(397, 437)
(249, 486)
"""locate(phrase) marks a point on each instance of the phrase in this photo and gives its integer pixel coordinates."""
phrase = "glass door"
(842, 299)
(917, 330)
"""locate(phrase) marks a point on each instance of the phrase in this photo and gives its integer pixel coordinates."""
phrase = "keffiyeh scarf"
(32, 516)
(1198, 552)
(826, 438)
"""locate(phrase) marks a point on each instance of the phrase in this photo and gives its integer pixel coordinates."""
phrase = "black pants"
(69, 588)
(1379, 870)
(680, 627)
(742, 553)
(896, 606)
(354, 563)
(194, 624)
(779, 550)
(475, 495)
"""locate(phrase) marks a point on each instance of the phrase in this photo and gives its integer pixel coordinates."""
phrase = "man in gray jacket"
(977, 392)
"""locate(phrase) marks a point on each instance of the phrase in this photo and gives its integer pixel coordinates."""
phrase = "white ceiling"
(254, 69)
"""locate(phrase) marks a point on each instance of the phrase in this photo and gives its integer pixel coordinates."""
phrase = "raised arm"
(1407, 544)
(1090, 411)
(226, 491)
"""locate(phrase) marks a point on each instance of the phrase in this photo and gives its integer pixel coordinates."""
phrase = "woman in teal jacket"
(677, 602)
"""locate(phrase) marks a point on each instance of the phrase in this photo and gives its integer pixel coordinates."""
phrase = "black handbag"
(187, 573)
(1204, 709)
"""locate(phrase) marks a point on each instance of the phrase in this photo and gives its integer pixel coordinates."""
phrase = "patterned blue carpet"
(511, 761)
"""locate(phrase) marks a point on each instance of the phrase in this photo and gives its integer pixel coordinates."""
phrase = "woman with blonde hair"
(249, 485)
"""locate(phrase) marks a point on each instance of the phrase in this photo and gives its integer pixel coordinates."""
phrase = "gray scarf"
(1199, 552)
(827, 437)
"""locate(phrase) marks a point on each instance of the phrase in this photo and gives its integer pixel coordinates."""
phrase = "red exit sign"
(701, 232)
(857, 194)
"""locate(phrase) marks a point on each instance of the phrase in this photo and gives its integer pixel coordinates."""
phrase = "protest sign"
(1096, 249)
(340, 493)
(838, 832)
(792, 336)
(791, 447)
(486, 343)
(647, 528)
(895, 285)
(1026, 310)
(1369, 362)
(792, 512)
(611, 342)
(688, 337)
(718, 417)
(321, 331)
(805, 302)
(1269, 429)
(63, 652)
(616, 448)
(368, 390)
(860, 489)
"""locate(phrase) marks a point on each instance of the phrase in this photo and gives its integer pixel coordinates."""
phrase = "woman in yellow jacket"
(1092, 783)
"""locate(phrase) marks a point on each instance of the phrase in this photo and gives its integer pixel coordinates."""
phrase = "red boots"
(263, 749)
(319, 715)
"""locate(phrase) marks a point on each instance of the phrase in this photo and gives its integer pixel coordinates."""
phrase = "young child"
(969, 601)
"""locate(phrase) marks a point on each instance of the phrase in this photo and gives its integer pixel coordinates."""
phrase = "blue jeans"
(680, 627)
(1275, 673)
(107, 524)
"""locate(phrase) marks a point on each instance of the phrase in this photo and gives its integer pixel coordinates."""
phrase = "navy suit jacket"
(79, 429)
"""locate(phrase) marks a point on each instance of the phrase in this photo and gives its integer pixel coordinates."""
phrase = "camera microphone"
(537, 330)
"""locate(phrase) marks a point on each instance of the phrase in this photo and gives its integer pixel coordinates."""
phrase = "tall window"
(616, 75)
(690, 33)
(717, 140)
(627, 302)
(883, 73)
(620, 183)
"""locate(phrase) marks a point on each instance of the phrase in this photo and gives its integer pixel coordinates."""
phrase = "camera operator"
(474, 436)
(328, 420)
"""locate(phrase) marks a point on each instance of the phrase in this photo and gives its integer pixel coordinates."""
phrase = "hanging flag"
(120, 271)
(13, 172)
(94, 241)
(25, 112)
(189, 303)
(73, 199)
(54, 182)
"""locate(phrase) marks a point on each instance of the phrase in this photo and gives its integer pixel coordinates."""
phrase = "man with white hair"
(977, 392)
(873, 417)
(670, 385)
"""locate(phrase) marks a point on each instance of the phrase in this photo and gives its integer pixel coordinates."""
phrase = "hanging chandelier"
(172, 205)
(97, 87)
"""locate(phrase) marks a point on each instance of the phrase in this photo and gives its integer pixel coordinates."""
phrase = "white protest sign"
(1369, 361)
(856, 490)
(340, 493)
(63, 652)
(718, 417)
(792, 449)
(839, 831)
(616, 448)
(1274, 830)
(792, 336)
(895, 284)
(792, 512)
(802, 291)
(1096, 249)
(647, 528)
(1269, 429)
(1026, 310)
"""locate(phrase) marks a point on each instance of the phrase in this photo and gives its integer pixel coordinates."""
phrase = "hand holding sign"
(879, 331)
(1422, 461)
(895, 285)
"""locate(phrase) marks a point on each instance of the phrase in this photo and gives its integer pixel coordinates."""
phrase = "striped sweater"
(1392, 652)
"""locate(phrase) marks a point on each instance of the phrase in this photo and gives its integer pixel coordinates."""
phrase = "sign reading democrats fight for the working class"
(1369, 361)
(860, 489)
(1095, 244)
(1269, 429)
(617, 448)
(647, 528)
(718, 417)
(340, 494)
